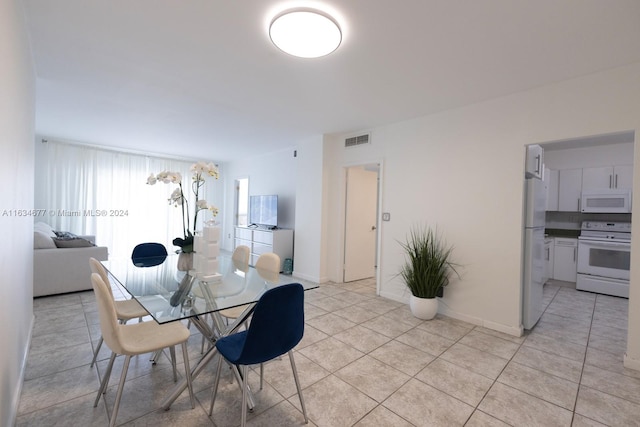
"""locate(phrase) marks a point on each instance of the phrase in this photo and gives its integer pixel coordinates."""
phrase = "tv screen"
(263, 210)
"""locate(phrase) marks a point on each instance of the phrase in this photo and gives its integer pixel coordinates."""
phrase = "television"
(263, 210)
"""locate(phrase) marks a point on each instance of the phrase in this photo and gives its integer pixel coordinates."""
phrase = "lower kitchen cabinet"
(565, 259)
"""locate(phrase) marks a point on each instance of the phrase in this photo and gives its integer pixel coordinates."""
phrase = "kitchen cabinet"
(607, 177)
(565, 259)
(569, 190)
(261, 241)
(551, 187)
(548, 258)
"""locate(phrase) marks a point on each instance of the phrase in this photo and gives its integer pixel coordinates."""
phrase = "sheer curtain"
(90, 190)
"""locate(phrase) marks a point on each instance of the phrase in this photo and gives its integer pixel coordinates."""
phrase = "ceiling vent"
(357, 140)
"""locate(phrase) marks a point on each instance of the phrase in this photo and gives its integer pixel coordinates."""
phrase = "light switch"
(386, 216)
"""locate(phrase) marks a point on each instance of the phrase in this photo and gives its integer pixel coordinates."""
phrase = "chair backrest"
(277, 324)
(148, 254)
(98, 268)
(240, 258)
(109, 325)
(268, 266)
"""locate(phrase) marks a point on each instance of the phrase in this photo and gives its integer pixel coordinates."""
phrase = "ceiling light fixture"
(305, 32)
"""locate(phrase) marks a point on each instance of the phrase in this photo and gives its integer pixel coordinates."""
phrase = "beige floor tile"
(480, 419)
(402, 357)
(332, 402)
(426, 341)
(331, 303)
(609, 361)
(550, 363)
(403, 314)
(79, 409)
(435, 407)
(363, 339)
(330, 323)
(356, 314)
(608, 343)
(609, 382)
(382, 417)
(282, 414)
(456, 381)
(278, 373)
(502, 335)
(388, 327)
(562, 348)
(475, 360)
(580, 421)
(520, 409)
(50, 362)
(379, 305)
(490, 344)
(331, 354)
(545, 386)
(311, 336)
(606, 409)
(443, 328)
(372, 377)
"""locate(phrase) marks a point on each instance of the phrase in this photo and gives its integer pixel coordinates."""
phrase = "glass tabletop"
(169, 294)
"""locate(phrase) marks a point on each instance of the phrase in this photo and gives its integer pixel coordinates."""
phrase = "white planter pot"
(423, 308)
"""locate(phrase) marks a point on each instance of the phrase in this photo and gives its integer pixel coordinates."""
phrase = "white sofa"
(58, 270)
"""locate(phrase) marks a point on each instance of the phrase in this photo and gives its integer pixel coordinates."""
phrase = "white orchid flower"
(201, 204)
(214, 210)
(176, 197)
(151, 180)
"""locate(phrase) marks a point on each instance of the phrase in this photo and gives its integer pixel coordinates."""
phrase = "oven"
(604, 258)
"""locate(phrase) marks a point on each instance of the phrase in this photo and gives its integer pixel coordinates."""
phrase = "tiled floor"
(364, 361)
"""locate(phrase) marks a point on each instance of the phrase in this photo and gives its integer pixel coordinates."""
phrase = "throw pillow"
(42, 241)
(45, 228)
(77, 242)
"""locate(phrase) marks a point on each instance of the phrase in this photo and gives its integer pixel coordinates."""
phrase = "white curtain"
(96, 191)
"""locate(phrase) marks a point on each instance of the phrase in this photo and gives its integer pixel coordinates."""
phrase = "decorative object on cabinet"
(427, 269)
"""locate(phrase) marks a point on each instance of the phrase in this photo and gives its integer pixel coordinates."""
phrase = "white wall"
(273, 173)
(462, 170)
(16, 172)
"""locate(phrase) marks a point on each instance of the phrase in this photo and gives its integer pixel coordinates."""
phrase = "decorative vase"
(185, 261)
(423, 308)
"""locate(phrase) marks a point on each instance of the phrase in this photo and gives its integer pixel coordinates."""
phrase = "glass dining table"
(170, 295)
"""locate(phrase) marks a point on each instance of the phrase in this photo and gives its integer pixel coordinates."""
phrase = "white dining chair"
(125, 309)
(134, 339)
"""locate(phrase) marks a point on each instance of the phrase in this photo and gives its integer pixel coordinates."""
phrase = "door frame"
(343, 214)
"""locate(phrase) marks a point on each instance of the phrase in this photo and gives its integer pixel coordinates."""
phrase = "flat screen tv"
(263, 210)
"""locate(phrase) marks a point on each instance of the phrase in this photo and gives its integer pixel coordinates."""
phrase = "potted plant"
(426, 270)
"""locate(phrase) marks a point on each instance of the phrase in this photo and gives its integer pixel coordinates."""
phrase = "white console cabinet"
(260, 241)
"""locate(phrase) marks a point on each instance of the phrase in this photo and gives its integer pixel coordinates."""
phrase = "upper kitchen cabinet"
(607, 177)
(569, 190)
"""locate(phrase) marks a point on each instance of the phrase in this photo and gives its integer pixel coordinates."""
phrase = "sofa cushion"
(45, 228)
(42, 241)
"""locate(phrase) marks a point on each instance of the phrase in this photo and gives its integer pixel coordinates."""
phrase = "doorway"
(361, 224)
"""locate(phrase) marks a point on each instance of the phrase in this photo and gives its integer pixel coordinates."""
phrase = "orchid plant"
(199, 171)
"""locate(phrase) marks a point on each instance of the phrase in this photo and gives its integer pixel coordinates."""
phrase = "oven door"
(604, 258)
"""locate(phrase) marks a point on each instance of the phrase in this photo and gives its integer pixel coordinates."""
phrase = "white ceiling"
(200, 78)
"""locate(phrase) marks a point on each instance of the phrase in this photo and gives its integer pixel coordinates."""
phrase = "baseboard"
(313, 279)
(631, 363)
(23, 366)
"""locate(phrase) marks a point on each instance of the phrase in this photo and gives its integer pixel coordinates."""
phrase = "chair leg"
(172, 350)
(245, 384)
(95, 353)
(261, 374)
(105, 379)
(214, 391)
(187, 372)
(295, 377)
(116, 404)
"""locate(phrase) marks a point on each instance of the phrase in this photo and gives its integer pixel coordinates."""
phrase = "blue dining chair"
(148, 254)
(276, 328)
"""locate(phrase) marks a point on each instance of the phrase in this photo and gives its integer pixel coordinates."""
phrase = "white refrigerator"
(533, 251)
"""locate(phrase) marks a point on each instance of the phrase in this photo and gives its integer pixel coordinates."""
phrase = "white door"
(360, 224)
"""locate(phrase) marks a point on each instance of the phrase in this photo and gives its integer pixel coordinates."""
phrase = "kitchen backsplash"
(573, 220)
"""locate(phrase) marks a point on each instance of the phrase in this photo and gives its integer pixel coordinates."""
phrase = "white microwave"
(606, 201)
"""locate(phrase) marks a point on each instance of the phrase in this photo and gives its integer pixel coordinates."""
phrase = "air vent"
(357, 140)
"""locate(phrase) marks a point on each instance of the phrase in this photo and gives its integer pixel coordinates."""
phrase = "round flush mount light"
(305, 32)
